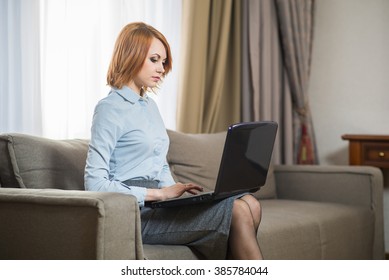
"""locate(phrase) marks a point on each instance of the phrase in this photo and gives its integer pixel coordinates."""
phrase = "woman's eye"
(153, 60)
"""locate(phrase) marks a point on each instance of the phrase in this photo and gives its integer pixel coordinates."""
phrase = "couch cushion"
(168, 252)
(196, 158)
(292, 229)
(40, 163)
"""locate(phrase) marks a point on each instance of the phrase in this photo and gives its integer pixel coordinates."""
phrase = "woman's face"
(153, 67)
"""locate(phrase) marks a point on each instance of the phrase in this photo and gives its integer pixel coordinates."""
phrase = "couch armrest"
(58, 224)
(360, 186)
(356, 185)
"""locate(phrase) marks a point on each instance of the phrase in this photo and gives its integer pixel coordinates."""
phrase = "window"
(74, 40)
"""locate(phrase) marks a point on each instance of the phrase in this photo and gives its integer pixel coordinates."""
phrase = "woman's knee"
(246, 211)
(254, 207)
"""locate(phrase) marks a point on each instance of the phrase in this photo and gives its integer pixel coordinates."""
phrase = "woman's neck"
(135, 88)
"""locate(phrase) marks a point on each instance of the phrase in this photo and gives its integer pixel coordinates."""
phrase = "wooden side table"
(367, 149)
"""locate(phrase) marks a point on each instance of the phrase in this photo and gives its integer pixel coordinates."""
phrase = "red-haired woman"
(127, 154)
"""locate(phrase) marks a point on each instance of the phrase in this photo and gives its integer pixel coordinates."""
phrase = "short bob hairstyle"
(130, 52)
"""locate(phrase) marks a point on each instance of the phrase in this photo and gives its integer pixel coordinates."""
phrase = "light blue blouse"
(128, 141)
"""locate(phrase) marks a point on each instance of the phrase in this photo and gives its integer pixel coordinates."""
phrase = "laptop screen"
(246, 157)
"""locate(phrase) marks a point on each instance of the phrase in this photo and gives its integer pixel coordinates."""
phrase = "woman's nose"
(161, 68)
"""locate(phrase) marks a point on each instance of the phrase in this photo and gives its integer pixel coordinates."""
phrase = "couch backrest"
(40, 163)
(196, 158)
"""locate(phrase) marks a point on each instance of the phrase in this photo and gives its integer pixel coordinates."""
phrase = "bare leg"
(246, 217)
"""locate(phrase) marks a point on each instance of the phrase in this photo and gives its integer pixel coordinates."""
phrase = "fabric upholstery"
(292, 229)
(196, 158)
(320, 212)
(41, 163)
(301, 230)
(59, 224)
(37, 162)
(168, 252)
(350, 185)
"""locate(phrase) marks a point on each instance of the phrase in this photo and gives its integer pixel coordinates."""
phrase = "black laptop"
(244, 164)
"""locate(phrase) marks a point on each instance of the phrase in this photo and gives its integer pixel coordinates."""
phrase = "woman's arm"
(105, 133)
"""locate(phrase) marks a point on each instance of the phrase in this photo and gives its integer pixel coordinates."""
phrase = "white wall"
(349, 85)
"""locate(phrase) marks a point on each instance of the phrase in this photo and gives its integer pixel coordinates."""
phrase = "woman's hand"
(173, 191)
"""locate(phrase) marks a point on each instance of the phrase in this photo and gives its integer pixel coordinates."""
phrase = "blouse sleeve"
(105, 133)
(166, 176)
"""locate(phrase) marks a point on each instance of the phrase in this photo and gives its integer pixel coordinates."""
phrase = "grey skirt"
(203, 227)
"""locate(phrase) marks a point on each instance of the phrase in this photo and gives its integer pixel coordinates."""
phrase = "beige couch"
(309, 212)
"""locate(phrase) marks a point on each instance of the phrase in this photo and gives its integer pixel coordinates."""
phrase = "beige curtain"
(296, 29)
(209, 87)
(265, 88)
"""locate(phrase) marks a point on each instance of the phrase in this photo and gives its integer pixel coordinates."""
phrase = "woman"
(127, 154)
